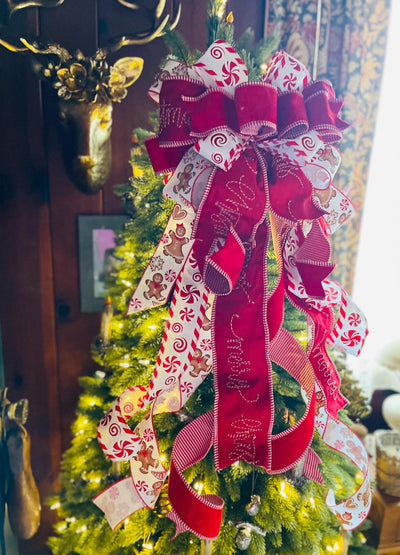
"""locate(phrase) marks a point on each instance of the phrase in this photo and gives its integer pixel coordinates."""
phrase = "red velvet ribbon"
(254, 105)
(174, 129)
(200, 514)
(231, 210)
(312, 262)
(292, 115)
(244, 407)
(323, 111)
(291, 192)
(188, 110)
(232, 236)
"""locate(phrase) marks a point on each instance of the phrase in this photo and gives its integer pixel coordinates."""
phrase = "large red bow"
(250, 163)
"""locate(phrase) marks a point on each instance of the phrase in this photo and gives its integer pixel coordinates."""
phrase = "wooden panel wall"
(46, 339)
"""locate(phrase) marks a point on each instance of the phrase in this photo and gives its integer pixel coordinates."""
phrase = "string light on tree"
(131, 354)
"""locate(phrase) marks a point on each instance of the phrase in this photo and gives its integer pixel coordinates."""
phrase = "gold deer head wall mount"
(86, 88)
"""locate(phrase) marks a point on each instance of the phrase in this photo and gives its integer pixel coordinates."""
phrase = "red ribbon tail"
(200, 514)
(223, 267)
(311, 468)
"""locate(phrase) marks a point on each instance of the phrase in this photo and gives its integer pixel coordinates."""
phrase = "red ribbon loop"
(223, 267)
(236, 200)
(313, 261)
(291, 192)
(211, 111)
(288, 447)
(322, 111)
(313, 253)
(200, 514)
(174, 118)
(292, 115)
(163, 159)
(256, 107)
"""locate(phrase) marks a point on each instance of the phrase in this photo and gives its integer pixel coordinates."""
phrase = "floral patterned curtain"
(351, 49)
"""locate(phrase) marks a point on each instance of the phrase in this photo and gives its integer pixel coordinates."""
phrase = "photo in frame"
(96, 240)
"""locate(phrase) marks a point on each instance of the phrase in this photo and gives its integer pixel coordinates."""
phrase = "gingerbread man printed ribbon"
(252, 163)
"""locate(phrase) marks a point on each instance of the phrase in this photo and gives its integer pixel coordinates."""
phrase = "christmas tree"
(267, 513)
(290, 509)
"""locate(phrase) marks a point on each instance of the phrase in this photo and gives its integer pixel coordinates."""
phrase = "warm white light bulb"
(282, 490)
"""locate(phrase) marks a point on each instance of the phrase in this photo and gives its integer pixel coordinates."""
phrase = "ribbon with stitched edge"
(174, 381)
(250, 162)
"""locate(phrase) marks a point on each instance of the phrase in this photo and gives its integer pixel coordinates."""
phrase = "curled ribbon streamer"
(174, 381)
(141, 489)
(199, 514)
(182, 332)
(240, 151)
(353, 511)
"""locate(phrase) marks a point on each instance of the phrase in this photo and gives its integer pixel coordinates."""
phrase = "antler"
(148, 36)
(114, 45)
(12, 47)
(50, 48)
(11, 7)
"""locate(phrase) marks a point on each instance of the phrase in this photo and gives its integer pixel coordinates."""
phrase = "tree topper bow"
(251, 161)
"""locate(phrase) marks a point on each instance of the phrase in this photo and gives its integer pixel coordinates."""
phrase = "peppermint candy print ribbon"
(140, 447)
(225, 110)
(352, 511)
(239, 151)
(182, 332)
(351, 330)
(185, 360)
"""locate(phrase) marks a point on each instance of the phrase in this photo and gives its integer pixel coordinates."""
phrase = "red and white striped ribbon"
(174, 381)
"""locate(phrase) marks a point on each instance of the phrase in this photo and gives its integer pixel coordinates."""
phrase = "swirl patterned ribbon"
(181, 367)
(251, 162)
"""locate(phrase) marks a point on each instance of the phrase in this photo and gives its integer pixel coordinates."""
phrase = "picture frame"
(96, 241)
